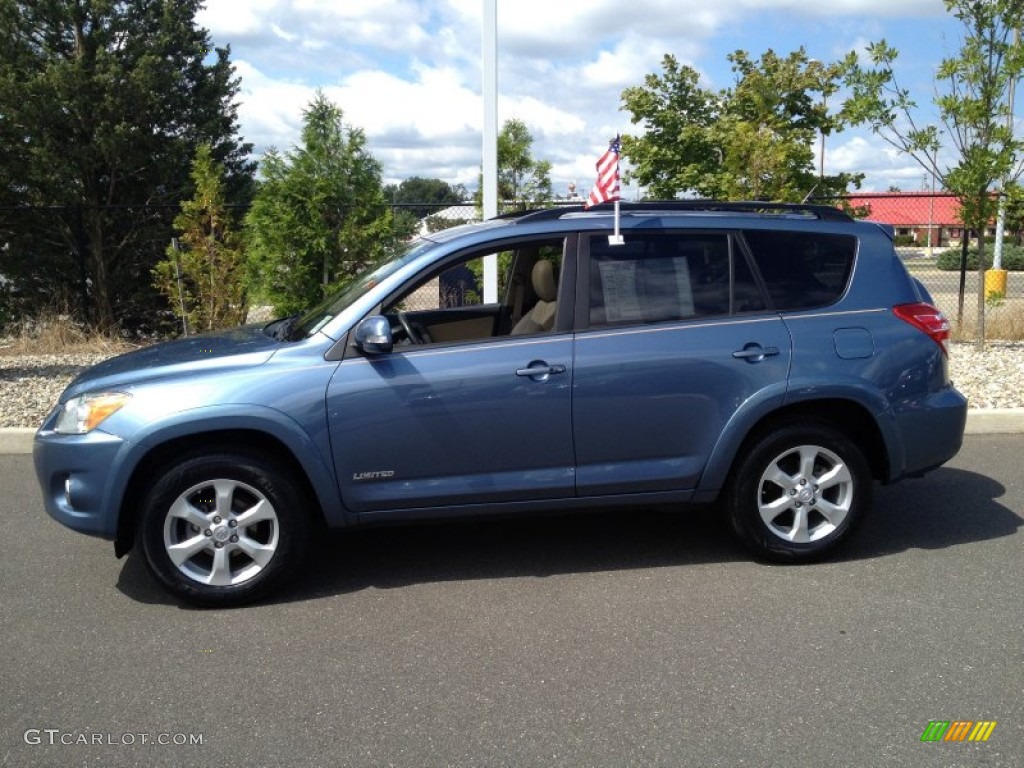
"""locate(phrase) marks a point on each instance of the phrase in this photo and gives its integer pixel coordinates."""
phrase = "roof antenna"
(808, 195)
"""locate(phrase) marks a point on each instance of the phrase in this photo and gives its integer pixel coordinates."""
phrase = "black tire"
(248, 561)
(792, 518)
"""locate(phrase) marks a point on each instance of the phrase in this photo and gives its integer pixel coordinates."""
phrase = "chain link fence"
(930, 240)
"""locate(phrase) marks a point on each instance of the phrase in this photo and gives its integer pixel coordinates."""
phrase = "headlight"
(84, 413)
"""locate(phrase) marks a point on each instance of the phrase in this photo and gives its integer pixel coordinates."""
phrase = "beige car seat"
(542, 316)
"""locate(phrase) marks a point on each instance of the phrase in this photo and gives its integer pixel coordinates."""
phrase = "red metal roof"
(909, 209)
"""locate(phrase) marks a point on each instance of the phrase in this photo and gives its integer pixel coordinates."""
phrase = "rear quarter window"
(803, 270)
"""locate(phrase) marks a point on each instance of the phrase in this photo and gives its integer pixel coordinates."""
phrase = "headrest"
(544, 281)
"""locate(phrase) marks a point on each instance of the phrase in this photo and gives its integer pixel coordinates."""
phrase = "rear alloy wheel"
(223, 529)
(799, 492)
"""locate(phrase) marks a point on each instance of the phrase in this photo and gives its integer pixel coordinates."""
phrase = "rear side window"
(803, 270)
(663, 277)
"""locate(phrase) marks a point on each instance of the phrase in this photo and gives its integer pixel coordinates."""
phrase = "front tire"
(799, 492)
(223, 529)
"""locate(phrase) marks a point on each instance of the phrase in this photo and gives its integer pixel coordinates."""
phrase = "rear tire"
(224, 529)
(799, 492)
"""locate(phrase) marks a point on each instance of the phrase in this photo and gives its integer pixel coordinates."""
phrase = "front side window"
(448, 306)
(662, 277)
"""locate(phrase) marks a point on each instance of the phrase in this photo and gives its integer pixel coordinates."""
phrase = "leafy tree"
(415, 199)
(213, 261)
(972, 96)
(523, 182)
(1015, 210)
(319, 216)
(422, 197)
(102, 106)
(753, 141)
(675, 154)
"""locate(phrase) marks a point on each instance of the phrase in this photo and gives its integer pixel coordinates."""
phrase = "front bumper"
(76, 474)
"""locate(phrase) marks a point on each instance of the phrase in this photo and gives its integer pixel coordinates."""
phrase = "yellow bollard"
(995, 283)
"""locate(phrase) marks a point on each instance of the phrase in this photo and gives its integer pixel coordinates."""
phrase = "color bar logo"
(958, 730)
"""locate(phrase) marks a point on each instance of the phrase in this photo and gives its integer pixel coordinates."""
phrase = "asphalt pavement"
(606, 639)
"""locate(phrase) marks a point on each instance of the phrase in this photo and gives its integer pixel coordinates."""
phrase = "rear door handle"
(755, 352)
(537, 369)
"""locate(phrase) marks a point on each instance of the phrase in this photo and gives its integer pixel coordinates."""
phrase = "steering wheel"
(414, 338)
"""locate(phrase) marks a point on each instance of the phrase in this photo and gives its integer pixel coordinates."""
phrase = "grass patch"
(1004, 322)
(56, 334)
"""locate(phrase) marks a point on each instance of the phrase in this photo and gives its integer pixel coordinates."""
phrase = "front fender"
(309, 446)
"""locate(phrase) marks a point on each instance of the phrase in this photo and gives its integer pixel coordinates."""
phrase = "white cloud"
(225, 18)
(434, 106)
(385, 24)
(542, 119)
(883, 165)
(869, 8)
(270, 111)
(288, 37)
(408, 71)
(626, 63)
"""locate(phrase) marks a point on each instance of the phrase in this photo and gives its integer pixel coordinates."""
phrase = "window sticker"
(654, 289)
(684, 288)
(621, 302)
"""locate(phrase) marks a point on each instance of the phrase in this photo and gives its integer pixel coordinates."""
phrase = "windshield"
(335, 304)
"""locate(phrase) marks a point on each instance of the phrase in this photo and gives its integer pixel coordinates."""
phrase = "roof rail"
(824, 212)
(540, 214)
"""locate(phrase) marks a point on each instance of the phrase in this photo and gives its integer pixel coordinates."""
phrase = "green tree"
(102, 106)
(415, 199)
(753, 141)
(422, 197)
(1015, 211)
(523, 181)
(212, 289)
(973, 100)
(320, 215)
(675, 154)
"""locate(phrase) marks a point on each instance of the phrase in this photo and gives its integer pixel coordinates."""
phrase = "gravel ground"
(30, 384)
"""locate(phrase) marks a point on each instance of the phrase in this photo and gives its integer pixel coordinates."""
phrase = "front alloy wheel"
(223, 529)
(799, 492)
(222, 532)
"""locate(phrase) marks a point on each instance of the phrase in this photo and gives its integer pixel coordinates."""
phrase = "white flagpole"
(617, 238)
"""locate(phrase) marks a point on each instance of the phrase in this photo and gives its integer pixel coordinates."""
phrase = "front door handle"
(538, 369)
(755, 353)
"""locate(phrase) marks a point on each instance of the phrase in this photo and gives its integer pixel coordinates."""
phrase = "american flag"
(606, 188)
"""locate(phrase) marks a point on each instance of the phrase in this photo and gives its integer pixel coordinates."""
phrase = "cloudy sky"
(408, 72)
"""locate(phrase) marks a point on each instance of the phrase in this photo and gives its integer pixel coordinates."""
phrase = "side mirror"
(373, 336)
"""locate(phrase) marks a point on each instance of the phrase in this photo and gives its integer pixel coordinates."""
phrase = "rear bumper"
(932, 429)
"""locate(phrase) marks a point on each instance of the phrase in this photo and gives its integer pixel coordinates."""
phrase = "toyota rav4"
(775, 359)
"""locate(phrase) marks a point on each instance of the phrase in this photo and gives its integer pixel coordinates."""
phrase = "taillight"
(926, 319)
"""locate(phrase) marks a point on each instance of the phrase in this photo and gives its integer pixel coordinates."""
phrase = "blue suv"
(777, 359)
